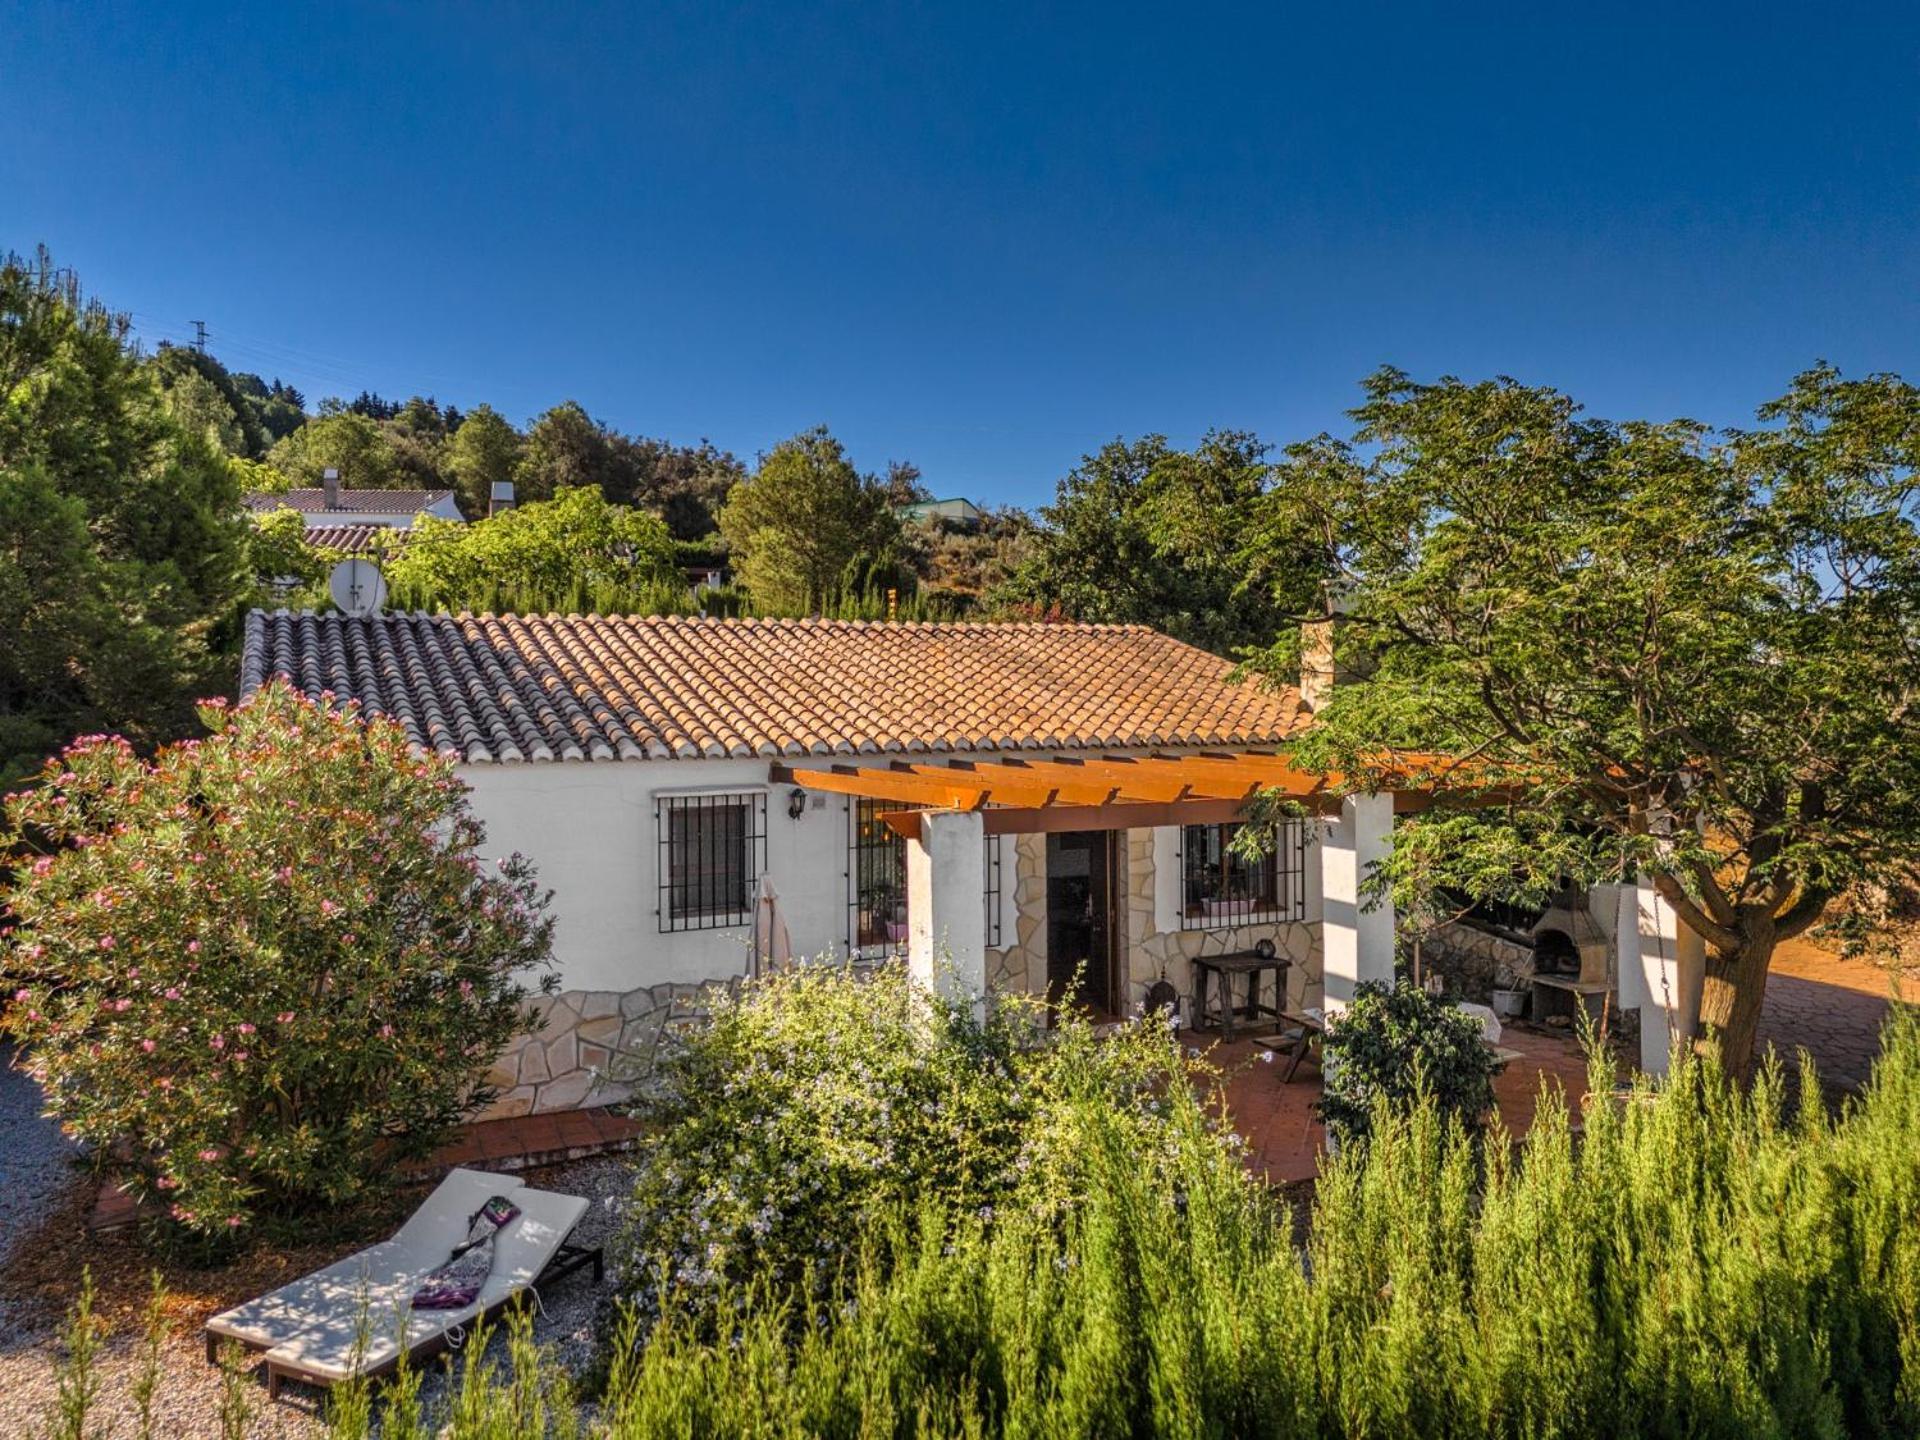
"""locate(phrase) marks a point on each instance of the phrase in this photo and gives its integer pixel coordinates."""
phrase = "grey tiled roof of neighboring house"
(351, 538)
(480, 688)
(379, 502)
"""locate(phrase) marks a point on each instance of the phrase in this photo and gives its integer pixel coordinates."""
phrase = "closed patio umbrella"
(772, 946)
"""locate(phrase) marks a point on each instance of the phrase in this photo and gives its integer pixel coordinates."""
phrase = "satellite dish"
(357, 587)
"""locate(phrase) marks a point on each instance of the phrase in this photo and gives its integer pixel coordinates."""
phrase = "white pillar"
(1356, 941)
(946, 905)
(1663, 966)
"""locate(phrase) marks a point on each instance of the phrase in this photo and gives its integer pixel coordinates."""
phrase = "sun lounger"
(434, 1229)
(368, 1336)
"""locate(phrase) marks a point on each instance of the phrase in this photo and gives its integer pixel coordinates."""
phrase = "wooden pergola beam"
(870, 784)
(1058, 819)
(1017, 784)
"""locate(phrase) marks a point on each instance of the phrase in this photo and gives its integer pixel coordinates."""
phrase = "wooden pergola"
(1109, 792)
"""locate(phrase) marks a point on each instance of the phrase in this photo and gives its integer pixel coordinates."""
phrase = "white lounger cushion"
(365, 1337)
(422, 1243)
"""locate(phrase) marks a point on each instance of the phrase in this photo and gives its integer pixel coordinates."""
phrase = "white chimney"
(330, 487)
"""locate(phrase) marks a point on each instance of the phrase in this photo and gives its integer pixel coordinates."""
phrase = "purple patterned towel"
(458, 1283)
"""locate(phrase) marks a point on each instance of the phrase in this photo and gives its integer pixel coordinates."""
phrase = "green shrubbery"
(817, 1105)
(259, 970)
(1397, 1044)
(1700, 1262)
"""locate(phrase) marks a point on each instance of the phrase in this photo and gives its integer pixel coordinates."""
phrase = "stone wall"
(572, 1062)
(1473, 962)
(1021, 968)
(1152, 952)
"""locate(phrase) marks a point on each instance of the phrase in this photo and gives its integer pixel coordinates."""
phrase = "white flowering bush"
(818, 1102)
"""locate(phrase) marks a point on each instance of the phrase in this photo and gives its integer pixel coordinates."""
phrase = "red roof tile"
(551, 687)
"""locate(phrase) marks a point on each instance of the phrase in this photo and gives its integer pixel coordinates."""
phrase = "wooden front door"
(1080, 919)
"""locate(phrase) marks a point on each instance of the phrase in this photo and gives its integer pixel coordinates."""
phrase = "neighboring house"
(348, 539)
(331, 506)
(1031, 808)
(961, 514)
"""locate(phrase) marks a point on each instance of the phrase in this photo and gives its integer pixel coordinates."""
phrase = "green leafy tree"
(287, 568)
(483, 452)
(574, 552)
(418, 433)
(684, 484)
(276, 409)
(122, 546)
(805, 516)
(198, 407)
(566, 448)
(346, 441)
(1660, 649)
(1142, 533)
(261, 971)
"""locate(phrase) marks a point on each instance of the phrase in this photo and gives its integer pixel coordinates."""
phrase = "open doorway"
(1080, 920)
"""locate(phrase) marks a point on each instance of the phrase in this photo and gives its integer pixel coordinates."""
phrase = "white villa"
(1015, 808)
(353, 520)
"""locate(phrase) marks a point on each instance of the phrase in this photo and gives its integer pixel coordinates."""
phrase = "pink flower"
(106, 942)
(122, 1005)
(134, 973)
(285, 1017)
(209, 1155)
(233, 1220)
(193, 947)
(285, 872)
(147, 1045)
(246, 1027)
(466, 987)
(165, 1082)
(167, 1182)
(43, 865)
(386, 1032)
(173, 992)
(218, 1042)
(327, 907)
(20, 997)
(239, 1054)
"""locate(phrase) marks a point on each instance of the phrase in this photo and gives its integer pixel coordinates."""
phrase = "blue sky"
(983, 237)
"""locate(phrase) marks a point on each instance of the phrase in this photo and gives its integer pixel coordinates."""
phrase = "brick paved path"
(1833, 1007)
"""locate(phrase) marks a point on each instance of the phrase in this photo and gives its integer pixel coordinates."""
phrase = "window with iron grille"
(993, 891)
(1219, 888)
(712, 850)
(877, 881)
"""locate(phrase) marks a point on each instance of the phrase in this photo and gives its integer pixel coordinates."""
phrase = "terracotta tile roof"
(380, 502)
(350, 538)
(552, 687)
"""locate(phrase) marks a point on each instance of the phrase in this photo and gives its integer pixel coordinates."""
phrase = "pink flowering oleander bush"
(258, 971)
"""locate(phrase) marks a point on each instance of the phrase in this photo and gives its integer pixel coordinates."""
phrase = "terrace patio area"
(1285, 1140)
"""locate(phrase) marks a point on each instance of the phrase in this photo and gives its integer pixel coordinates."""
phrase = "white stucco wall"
(591, 830)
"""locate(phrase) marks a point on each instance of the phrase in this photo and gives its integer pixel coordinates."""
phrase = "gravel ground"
(37, 1162)
(43, 1246)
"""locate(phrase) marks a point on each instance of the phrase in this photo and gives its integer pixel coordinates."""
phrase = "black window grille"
(1220, 888)
(876, 880)
(993, 891)
(712, 850)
